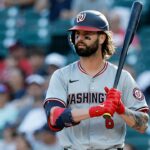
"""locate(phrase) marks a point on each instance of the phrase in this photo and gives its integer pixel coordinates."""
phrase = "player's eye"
(77, 36)
(87, 37)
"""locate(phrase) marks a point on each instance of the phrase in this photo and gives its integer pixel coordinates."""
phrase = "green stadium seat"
(124, 3)
(60, 27)
(35, 29)
(3, 51)
(10, 12)
(35, 36)
(30, 13)
(2, 35)
(8, 27)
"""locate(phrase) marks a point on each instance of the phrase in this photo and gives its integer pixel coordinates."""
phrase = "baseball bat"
(130, 32)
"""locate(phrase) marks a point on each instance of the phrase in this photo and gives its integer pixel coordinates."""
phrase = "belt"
(106, 149)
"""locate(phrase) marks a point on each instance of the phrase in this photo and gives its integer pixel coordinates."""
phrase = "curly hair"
(108, 47)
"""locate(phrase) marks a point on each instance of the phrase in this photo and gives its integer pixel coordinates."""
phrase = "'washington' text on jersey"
(76, 98)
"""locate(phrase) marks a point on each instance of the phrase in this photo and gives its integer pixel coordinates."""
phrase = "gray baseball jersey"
(73, 87)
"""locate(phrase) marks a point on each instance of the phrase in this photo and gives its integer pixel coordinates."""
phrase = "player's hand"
(105, 107)
(114, 95)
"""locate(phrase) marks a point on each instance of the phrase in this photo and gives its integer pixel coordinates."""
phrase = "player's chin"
(81, 52)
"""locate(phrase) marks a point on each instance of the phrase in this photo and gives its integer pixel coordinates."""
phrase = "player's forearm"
(80, 114)
(94, 111)
(135, 119)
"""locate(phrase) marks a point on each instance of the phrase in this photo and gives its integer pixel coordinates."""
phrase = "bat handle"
(107, 115)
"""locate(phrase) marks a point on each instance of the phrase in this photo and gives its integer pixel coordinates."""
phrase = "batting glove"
(114, 95)
(105, 107)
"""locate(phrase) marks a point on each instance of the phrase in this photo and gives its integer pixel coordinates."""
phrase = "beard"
(88, 50)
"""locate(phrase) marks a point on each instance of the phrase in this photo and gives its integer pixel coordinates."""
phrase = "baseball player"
(80, 94)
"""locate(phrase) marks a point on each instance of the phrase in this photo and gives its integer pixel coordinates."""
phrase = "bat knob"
(107, 116)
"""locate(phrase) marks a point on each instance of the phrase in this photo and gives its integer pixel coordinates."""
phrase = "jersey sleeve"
(57, 89)
(133, 97)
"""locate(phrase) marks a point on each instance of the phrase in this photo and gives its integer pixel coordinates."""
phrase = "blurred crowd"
(26, 69)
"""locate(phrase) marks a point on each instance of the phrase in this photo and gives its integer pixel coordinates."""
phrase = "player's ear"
(102, 38)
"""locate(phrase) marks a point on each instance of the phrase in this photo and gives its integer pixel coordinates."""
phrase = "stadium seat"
(8, 27)
(3, 50)
(60, 27)
(35, 29)
(124, 3)
(35, 36)
(30, 13)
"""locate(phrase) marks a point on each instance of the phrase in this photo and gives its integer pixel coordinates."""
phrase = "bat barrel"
(131, 29)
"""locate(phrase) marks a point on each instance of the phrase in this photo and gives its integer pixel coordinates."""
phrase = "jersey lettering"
(85, 97)
(79, 98)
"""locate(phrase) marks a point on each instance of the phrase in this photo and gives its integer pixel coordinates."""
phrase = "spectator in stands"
(99, 5)
(2, 3)
(119, 30)
(8, 138)
(60, 12)
(20, 3)
(54, 61)
(36, 59)
(15, 78)
(33, 96)
(45, 139)
(7, 64)
(2, 68)
(35, 116)
(8, 113)
(41, 5)
(20, 53)
(22, 142)
(60, 9)
(10, 62)
(116, 18)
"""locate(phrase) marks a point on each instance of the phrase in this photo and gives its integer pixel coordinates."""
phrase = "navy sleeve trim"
(143, 109)
(51, 102)
(54, 100)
